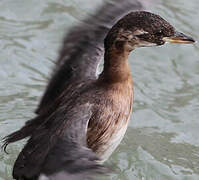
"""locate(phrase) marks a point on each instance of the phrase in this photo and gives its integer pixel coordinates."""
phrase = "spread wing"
(83, 48)
(58, 148)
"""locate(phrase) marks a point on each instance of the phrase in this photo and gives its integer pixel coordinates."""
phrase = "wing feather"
(59, 145)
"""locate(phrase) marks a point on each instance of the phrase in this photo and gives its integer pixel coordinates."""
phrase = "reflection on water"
(162, 140)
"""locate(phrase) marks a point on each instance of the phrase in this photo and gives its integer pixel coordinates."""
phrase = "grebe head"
(143, 29)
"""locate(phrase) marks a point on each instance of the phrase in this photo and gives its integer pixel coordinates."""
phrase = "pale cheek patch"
(140, 32)
(146, 44)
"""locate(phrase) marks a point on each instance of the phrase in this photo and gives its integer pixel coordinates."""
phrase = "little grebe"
(88, 117)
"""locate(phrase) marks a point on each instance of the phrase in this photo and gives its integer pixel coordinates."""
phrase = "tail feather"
(26, 131)
(16, 136)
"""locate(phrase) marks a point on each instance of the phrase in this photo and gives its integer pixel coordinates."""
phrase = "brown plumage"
(114, 104)
(89, 115)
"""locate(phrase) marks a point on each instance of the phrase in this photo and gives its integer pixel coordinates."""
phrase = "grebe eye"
(158, 33)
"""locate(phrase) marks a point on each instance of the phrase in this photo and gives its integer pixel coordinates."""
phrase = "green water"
(162, 142)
